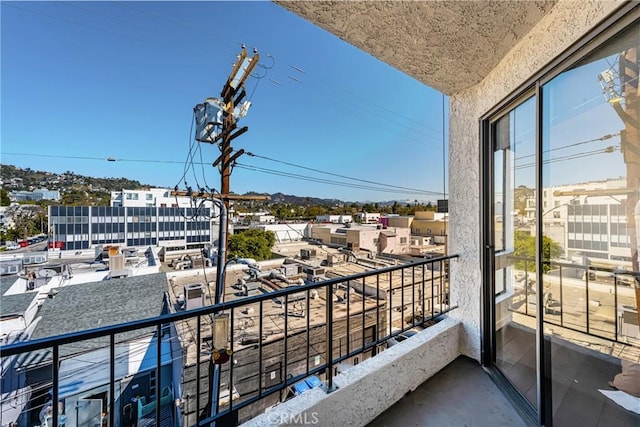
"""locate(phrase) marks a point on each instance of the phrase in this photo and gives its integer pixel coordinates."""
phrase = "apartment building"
(391, 240)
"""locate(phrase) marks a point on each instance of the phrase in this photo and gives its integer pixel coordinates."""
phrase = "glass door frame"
(541, 413)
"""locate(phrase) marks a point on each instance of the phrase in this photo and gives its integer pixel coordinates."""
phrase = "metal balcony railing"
(362, 312)
(575, 297)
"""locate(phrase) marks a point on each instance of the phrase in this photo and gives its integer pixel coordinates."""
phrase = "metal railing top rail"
(615, 270)
(104, 331)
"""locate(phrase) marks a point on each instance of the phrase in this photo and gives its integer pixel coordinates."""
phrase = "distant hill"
(79, 189)
(298, 200)
(19, 179)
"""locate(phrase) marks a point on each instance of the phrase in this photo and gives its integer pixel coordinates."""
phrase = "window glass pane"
(515, 215)
(591, 156)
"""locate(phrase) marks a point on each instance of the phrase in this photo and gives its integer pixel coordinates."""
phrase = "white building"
(287, 232)
(153, 197)
(334, 219)
(368, 217)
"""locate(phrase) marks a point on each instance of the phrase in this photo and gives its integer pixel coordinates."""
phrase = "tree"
(26, 223)
(4, 198)
(525, 247)
(253, 243)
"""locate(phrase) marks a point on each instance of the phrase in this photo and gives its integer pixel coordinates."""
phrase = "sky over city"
(83, 82)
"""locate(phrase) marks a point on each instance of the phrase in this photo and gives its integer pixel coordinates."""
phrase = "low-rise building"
(286, 232)
(84, 377)
(35, 195)
(392, 240)
(335, 219)
(368, 217)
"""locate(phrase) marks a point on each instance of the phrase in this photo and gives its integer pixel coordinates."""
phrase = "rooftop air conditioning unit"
(194, 296)
(116, 262)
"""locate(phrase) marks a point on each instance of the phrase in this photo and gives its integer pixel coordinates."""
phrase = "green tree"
(253, 243)
(525, 247)
(4, 198)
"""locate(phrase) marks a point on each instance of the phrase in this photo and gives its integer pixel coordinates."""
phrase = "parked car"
(12, 246)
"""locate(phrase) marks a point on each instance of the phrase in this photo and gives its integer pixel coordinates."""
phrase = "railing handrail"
(613, 270)
(106, 331)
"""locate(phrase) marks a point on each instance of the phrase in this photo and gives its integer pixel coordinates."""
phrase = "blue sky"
(120, 79)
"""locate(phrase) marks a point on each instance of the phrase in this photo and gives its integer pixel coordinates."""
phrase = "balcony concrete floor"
(461, 394)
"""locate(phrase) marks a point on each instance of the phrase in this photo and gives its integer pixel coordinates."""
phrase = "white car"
(12, 246)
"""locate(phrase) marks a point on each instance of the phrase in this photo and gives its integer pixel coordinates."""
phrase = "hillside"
(18, 179)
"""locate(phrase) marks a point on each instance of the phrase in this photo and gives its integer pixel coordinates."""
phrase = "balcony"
(426, 373)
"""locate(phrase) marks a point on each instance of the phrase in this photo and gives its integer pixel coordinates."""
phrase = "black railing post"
(526, 287)
(390, 303)
(56, 376)
(443, 271)
(308, 316)
(112, 379)
(402, 298)
(348, 319)
(615, 304)
(232, 322)
(422, 307)
(158, 376)
(433, 298)
(377, 330)
(329, 327)
(363, 313)
(286, 336)
(561, 300)
(260, 367)
(587, 297)
(413, 295)
(198, 373)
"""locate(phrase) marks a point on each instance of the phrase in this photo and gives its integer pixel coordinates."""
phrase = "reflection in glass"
(590, 176)
(514, 215)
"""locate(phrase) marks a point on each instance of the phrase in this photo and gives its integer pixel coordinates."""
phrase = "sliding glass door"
(561, 219)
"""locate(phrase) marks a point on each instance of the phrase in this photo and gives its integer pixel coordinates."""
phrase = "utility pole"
(216, 123)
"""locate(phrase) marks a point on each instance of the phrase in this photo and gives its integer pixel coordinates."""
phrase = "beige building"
(424, 223)
(391, 240)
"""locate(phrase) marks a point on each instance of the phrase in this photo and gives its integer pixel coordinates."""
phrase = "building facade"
(335, 219)
(391, 240)
(35, 195)
(84, 227)
(153, 197)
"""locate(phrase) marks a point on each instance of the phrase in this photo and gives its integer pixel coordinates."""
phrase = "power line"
(327, 181)
(607, 150)
(338, 175)
(388, 189)
(602, 138)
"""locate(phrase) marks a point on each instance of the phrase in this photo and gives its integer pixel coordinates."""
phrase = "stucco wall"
(565, 24)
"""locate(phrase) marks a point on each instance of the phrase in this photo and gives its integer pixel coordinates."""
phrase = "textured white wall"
(562, 26)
